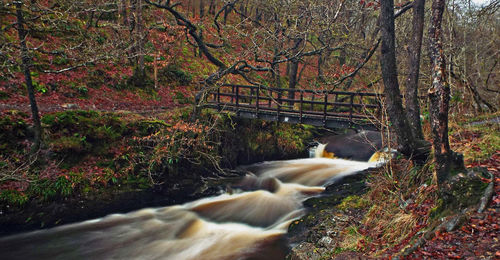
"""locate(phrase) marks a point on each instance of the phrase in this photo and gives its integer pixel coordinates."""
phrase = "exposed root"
(449, 224)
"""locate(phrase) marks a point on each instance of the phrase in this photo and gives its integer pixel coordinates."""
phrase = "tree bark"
(414, 51)
(123, 12)
(137, 34)
(292, 78)
(211, 8)
(227, 11)
(26, 61)
(202, 8)
(140, 39)
(439, 97)
(391, 86)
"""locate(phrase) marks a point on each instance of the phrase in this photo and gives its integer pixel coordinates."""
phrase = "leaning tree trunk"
(414, 51)
(27, 77)
(391, 86)
(439, 97)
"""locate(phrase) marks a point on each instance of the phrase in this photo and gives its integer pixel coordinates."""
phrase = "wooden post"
(237, 96)
(300, 108)
(361, 102)
(237, 100)
(279, 104)
(232, 92)
(258, 101)
(324, 108)
(251, 96)
(350, 109)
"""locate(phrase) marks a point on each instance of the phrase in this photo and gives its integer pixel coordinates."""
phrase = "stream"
(248, 221)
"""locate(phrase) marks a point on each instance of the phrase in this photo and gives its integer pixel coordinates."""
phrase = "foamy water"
(247, 224)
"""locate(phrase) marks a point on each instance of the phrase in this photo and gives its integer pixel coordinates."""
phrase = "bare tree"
(439, 98)
(414, 51)
(26, 63)
(406, 141)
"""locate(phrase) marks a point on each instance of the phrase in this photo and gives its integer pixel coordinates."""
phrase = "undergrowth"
(85, 151)
(403, 199)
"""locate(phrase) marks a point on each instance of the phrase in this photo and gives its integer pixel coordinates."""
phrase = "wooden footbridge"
(330, 109)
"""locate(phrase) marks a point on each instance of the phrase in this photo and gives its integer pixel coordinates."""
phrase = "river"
(248, 221)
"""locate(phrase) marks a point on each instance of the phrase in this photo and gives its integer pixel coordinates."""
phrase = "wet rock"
(317, 232)
(355, 146)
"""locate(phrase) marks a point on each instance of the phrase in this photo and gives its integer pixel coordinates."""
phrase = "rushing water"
(249, 222)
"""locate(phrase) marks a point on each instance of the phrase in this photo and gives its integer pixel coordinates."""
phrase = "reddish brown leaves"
(477, 238)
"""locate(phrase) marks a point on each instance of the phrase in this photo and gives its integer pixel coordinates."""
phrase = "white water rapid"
(249, 223)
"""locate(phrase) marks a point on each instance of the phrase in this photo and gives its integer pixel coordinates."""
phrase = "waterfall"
(249, 223)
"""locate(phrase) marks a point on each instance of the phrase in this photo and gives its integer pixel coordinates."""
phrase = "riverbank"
(397, 211)
(97, 163)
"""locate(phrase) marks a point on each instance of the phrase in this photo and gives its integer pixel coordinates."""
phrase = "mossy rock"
(462, 192)
(78, 133)
(93, 125)
(69, 145)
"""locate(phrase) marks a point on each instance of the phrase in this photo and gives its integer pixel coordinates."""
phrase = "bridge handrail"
(353, 107)
(318, 92)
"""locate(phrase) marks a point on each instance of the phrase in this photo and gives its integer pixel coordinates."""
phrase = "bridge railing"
(352, 106)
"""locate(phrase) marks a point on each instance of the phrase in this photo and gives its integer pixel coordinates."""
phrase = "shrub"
(172, 73)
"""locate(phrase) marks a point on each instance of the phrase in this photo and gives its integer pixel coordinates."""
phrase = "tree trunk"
(439, 97)
(414, 51)
(211, 8)
(320, 69)
(258, 15)
(138, 35)
(26, 61)
(227, 11)
(389, 75)
(292, 78)
(122, 10)
(202, 8)
(323, 56)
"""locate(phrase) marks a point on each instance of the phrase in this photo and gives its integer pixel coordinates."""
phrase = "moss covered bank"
(96, 163)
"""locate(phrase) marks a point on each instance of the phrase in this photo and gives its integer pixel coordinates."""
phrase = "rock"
(355, 146)
(70, 106)
(326, 242)
(455, 222)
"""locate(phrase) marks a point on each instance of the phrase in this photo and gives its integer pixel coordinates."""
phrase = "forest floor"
(478, 237)
(100, 99)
